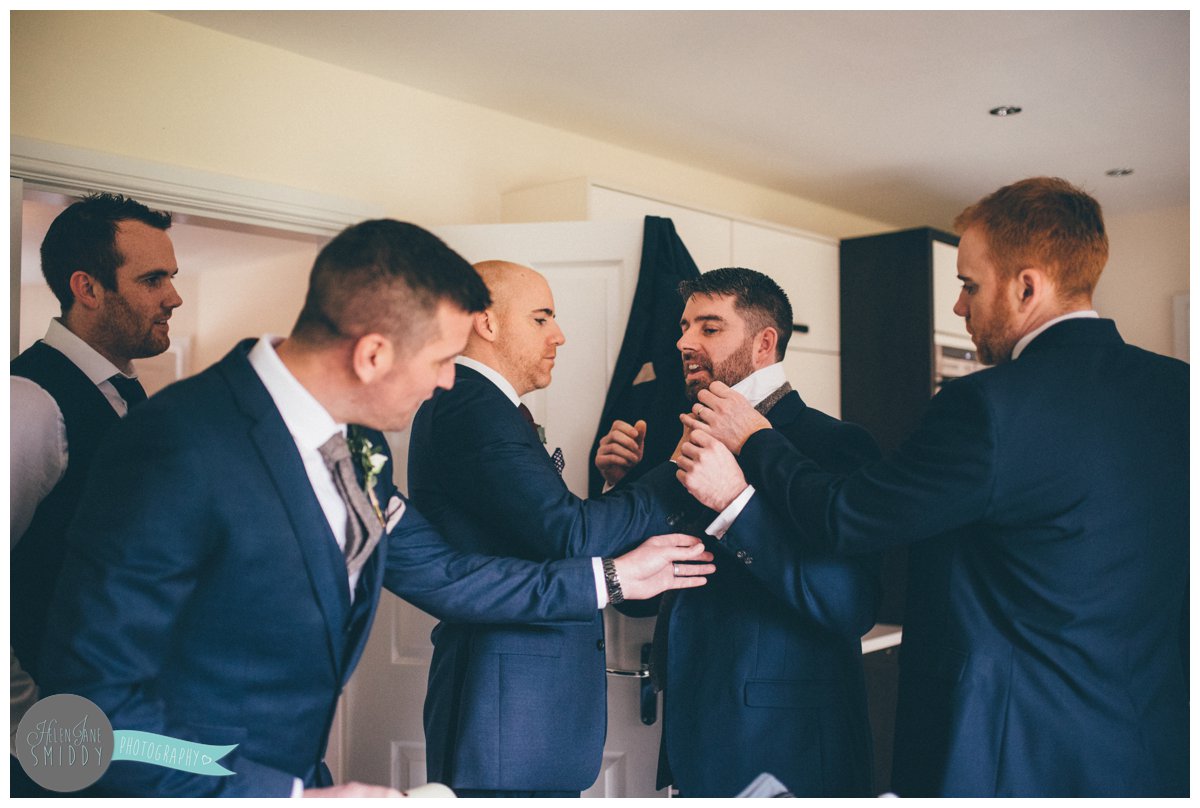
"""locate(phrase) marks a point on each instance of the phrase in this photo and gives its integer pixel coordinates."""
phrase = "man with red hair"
(1046, 501)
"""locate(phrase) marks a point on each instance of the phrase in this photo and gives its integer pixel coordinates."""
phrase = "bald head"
(517, 336)
(505, 280)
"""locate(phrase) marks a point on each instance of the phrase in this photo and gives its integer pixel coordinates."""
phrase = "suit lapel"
(277, 451)
(786, 410)
(503, 406)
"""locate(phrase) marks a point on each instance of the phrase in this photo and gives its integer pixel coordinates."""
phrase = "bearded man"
(762, 668)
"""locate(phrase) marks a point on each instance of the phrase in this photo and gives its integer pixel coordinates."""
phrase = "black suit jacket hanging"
(648, 382)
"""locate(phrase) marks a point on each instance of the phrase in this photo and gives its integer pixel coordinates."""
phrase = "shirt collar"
(310, 423)
(1024, 341)
(492, 376)
(761, 383)
(82, 355)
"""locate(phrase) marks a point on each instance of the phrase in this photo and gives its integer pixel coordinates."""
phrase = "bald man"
(514, 711)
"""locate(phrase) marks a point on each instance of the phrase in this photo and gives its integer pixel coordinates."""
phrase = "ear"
(1030, 288)
(372, 357)
(86, 289)
(486, 325)
(764, 347)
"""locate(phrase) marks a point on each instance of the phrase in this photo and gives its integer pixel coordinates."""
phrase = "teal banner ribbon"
(173, 753)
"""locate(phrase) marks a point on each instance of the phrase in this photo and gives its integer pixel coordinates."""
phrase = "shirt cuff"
(601, 585)
(732, 511)
(297, 788)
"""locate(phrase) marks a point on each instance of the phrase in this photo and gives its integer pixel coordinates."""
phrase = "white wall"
(1147, 264)
(269, 296)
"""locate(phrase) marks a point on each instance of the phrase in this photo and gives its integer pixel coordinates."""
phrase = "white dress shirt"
(38, 450)
(511, 393)
(310, 425)
(755, 387)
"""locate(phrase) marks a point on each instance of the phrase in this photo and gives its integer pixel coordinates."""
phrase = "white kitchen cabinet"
(946, 286)
(805, 265)
(807, 269)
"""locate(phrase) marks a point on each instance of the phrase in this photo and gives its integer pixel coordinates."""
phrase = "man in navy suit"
(514, 710)
(763, 667)
(1047, 502)
(223, 572)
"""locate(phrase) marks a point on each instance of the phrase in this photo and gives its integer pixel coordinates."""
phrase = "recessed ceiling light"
(1001, 112)
(1119, 172)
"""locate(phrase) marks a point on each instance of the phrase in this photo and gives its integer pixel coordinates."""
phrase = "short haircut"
(84, 238)
(759, 299)
(387, 277)
(1044, 221)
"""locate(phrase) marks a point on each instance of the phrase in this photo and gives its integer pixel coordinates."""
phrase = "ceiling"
(884, 114)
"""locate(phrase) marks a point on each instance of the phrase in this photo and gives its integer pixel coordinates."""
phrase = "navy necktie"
(129, 389)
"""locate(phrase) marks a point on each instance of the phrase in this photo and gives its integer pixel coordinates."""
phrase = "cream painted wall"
(152, 87)
(149, 86)
(1147, 264)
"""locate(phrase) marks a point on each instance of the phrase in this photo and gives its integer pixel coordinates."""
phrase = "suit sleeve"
(465, 587)
(135, 553)
(837, 594)
(499, 476)
(939, 479)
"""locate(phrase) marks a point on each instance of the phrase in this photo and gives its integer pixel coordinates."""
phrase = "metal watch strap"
(612, 582)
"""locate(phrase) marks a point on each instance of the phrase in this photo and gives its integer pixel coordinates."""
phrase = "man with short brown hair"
(223, 579)
(109, 261)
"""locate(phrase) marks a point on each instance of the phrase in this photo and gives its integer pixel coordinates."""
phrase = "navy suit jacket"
(523, 707)
(204, 596)
(1048, 498)
(764, 666)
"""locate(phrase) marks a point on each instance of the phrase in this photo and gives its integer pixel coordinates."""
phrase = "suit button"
(599, 645)
(674, 519)
(749, 560)
(741, 553)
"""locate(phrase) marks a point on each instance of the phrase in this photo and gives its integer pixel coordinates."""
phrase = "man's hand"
(620, 450)
(353, 790)
(727, 415)
(652, 567)
(709, 472)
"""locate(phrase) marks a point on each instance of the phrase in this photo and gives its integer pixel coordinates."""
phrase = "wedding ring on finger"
(675, 570)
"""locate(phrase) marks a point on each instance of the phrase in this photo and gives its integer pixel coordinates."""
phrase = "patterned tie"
(363, 527)
(557, 458)
(129, 389)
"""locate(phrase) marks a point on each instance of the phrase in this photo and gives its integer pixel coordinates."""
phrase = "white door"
(592, 269)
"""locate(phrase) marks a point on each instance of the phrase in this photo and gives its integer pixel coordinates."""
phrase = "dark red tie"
(557, 458)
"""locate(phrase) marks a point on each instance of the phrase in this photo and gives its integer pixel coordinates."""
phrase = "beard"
(735, 367)
(132, 336)
(526, 373)
(996, 338)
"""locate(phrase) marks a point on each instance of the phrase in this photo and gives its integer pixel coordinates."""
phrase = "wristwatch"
(612, 582)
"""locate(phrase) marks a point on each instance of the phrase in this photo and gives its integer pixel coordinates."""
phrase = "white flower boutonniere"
(370, 461)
